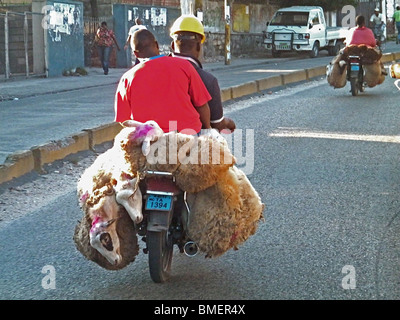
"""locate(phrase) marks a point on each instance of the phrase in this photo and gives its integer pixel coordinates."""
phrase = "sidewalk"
(22, 88)
(244, 76)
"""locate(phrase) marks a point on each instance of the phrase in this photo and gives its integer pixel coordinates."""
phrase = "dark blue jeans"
(398, 29)
(104, 54)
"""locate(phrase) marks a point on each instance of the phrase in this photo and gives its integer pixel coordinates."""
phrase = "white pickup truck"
(302, 28)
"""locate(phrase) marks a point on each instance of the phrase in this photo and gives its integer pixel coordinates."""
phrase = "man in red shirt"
(164, 89)
(361, 34)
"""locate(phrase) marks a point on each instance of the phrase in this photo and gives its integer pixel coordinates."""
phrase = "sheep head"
(103, 234)
(129, 196)
(144, 133)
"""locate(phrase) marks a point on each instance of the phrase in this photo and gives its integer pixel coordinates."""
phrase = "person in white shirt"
(137, 26)
(376, 21)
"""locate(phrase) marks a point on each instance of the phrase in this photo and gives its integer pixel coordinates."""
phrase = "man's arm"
(225, 124)
(122, 108)
(204, 112)
(127, 42)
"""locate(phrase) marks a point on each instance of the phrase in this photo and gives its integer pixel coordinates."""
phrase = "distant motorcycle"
(355, 74)
(379, 33)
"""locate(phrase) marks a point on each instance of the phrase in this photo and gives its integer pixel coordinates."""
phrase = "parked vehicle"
(355, 74)
(302, 28)
(164, 223)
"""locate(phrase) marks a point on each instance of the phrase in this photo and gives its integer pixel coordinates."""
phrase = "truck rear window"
(290, 19)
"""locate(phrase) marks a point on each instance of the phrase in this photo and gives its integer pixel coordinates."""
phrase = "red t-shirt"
(362, 35)
(163, 89)
(104, 37)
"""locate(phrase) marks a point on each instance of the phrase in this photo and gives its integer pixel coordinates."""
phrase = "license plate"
(355, 68)
(285, 45)
(158, 202)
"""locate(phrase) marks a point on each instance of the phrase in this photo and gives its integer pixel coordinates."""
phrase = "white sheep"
(202, 166)
(106, 234)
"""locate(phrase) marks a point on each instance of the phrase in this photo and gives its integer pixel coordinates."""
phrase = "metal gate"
(17, 45)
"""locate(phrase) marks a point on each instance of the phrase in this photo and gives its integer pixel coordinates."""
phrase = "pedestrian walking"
(137, 26)
(396, 22)
(105, 39)
(376, 22)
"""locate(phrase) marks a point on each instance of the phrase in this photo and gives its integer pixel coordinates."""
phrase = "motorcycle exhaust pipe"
(191, 248)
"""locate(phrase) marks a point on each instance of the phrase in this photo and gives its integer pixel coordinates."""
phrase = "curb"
(23, 162)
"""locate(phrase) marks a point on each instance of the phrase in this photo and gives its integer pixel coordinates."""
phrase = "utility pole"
(227, 33)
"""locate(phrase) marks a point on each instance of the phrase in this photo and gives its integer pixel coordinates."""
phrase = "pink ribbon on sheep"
(94, 222)
(84, 197)
(141, 132)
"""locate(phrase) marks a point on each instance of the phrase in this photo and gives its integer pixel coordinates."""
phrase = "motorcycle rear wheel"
(354, 86)
(160, 248)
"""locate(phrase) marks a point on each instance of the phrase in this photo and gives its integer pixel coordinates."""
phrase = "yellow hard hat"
(188, 23)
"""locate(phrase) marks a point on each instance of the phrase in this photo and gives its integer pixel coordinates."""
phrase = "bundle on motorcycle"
(366, 60)
(221, 209)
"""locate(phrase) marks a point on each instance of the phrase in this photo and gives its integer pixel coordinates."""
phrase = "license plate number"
(355, 68)
(158, 202)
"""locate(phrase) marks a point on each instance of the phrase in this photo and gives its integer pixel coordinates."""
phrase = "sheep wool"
(373, 74)
(196, 162)
(225, 209)
(370, 59)
(224, 215)
(335, 73)
(95, 184)
(367, 54)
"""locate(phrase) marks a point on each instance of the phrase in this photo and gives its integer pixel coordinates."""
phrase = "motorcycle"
(165, 216)
(355, 74)
(379, 33)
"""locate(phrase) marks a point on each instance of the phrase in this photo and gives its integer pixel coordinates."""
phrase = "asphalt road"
(35, 120)
(326, 165)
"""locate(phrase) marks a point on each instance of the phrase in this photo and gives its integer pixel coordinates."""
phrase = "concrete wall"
(63, 25)
(249, 44)
(248, 21)
(157, 19)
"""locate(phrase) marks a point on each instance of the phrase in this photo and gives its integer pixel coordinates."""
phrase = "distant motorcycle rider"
(376, 21)
(361, 34)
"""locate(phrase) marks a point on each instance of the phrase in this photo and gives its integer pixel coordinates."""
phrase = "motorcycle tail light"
(162, 184)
